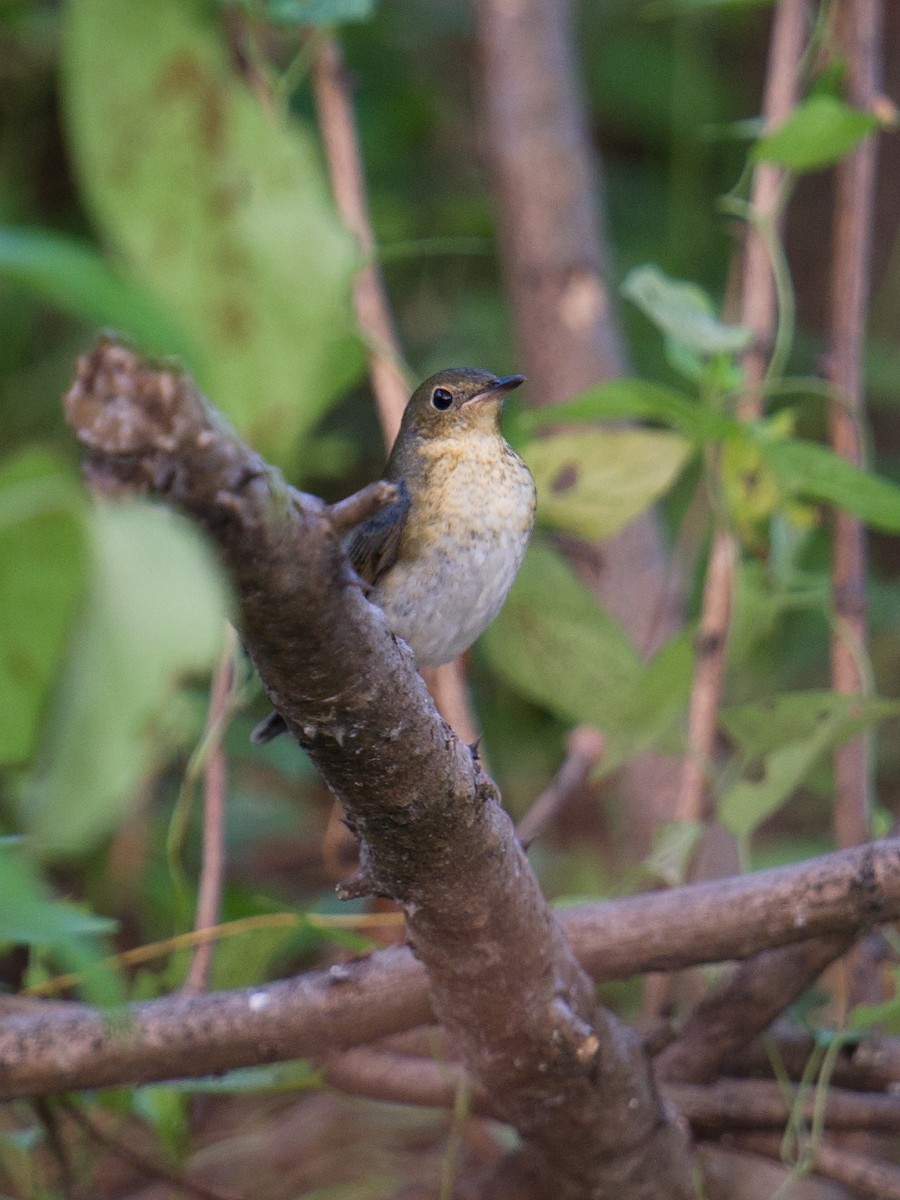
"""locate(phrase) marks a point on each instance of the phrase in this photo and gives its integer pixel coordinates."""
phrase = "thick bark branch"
(760, 990)
(51, 1046)
(433, 836)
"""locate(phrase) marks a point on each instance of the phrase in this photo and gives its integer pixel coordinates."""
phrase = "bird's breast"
(469, 523)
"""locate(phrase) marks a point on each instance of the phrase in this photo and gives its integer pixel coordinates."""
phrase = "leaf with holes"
(683, 311)
(593, 483)
(781, 740)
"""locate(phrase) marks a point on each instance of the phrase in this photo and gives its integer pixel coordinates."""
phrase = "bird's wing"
(374, 546)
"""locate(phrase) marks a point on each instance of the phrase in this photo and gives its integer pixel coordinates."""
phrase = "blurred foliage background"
(146, 187)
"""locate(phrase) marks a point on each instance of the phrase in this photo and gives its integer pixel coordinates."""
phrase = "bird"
(440, 559)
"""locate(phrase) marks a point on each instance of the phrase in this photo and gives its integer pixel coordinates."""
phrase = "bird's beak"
(496, 390)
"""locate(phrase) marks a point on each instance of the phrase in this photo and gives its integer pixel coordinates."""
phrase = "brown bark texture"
(504, 981)
(51, 1046)
(557, 276)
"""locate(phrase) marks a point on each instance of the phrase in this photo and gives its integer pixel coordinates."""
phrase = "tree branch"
(433, 837)
(49, 1047)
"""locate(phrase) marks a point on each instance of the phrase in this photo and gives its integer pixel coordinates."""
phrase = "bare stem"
(389, 377)
(759, 314)
(859, 28)
(215, 782)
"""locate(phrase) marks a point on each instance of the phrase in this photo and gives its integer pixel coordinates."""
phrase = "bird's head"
(455, 400)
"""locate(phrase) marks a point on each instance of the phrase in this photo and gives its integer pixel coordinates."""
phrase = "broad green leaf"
(684, 312)
(783, 739)
(554, 643)
(638, 400)
(32, 915)
(558, 647)
(29, 913)
(818, 132)
(814, 472)
(217, 207)
(763, 726)
(648, 715)
(317, 12)
(42, 569)
(73, 276)
(155, 614)
(593, 483)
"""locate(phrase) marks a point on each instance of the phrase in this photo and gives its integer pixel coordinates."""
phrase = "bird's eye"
(441, 399)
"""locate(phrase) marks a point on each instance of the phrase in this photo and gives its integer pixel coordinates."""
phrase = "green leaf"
(317, 12)
(782, 740)
(818, 132)
(885, 1016)
(763, 726)
(29, 913)
(812, 471)
(32, 915)
(293, 1076)
(593, 483)
(557, 646)
(74, 277)
(155, 614)
(42, 571)
(638, 400)
(684, 312)
(674, 843)
(220, 209)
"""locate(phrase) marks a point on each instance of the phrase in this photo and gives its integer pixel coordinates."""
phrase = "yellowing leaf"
(593, 483)
(220, 208)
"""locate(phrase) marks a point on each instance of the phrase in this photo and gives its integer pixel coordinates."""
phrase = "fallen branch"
(48, 1046)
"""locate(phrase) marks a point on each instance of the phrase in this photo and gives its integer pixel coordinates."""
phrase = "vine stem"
(759, 313)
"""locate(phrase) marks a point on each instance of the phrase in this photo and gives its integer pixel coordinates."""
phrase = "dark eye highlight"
(441, 399)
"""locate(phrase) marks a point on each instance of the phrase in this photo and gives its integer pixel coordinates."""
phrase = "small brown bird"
(442, 557)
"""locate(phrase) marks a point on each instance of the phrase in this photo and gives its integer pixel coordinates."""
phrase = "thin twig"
(215, 783)
(150, 1168)
(584, 749)
(729, 1104)
(864, 1175)
(58, 1047)
(859, 25)
(388, 375)
(401, 1079)
(758, 313)
(334, 109)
